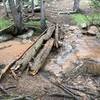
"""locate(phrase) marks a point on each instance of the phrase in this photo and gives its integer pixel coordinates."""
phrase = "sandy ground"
(11, 49)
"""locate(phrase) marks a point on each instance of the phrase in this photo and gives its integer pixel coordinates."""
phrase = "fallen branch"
(6, 46)
(67, 12)
(41, 57)
(61, 95)
(3, 90)
(56, 36)
(65, 89)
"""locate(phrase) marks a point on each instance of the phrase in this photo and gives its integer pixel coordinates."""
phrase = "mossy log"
(8, 30)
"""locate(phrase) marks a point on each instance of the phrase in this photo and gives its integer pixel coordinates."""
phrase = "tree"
(17, 14)
(43, 20)
(4, 3)
(32, 7)
(76, 6)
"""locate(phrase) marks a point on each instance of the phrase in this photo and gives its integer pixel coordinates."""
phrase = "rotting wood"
(41, 57)
(3, 71)
(22, 60)
(32, 51)
(56, 36)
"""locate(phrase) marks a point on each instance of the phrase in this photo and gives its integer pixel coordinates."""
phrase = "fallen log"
(32, 51)
(11, 64)
(56, 36)
(8, 30)
(41, 57)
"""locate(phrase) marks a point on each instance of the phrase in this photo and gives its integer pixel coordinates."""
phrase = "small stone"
(72, 28)
(75, 29)
(83, 25)
(93, 30)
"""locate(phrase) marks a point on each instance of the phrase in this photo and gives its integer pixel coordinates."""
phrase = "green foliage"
(33, 23)
(95, 3)
(4, 23)
(93, 18)
(81, 19)
(36, 25)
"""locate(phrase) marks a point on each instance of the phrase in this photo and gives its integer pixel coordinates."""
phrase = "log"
(12, 63)
(32, 51)
(41, 57)
(8, 30)
(56, 36)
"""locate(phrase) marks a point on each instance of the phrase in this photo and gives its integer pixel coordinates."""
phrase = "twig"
(3, 90)
(3, 47)
(67, 90)
(10, 87)
(60, 95)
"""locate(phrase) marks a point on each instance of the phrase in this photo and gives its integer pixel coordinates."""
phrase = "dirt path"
(11, 49)
(53, 8)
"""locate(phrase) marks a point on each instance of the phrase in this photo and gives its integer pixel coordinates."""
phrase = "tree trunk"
(17, 15)
(76, 6)
(33, 7)
(4, 3)
(43, 20)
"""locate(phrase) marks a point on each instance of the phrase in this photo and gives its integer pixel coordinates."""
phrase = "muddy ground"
(75, 48)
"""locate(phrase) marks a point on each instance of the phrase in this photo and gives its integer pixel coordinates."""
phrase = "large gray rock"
(27, 35)
(93, 30)
(5, 37)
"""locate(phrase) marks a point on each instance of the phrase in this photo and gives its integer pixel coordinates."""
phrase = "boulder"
(93, 30)
(5, 37)
(27, 35)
